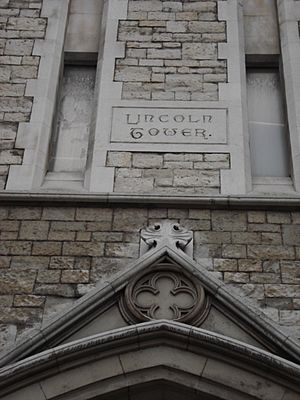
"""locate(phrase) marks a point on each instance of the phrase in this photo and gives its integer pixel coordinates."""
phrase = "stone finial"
(167, 233)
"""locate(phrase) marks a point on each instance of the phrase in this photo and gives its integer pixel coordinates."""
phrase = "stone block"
(144, 160)
(161, 16)
(234, 251)
(212, 237)
(5, 73)
(236, 277)
(223, 264)
(258, 217)
(145, 5)
(184, 82)
(229, 221)
(118, 159)
(250, 265)
(133, 74)
(61, 262)
(29, 262)
(264, 228)
(61, 235)
(291, 234)
(18, 47)
(67, 226)
(24, 72)
(93, 214)
(276, 217)
(271, 252)
(169, 54)
(34, 230)
(4, 261)
(134, 34)
(21, 300)
(58, 213)
(17, 281)
(271, 238)
(284, 290)
(83, 249)
(186, 178)
(130, 185)
(200, 6)
(47, 248)
(15, 247)
(196, 224)
(199, 51)
(108, 236)
(129, 220)
(11, 157)
(246, 238)
(48, 276)
(11, 90)
(290, 272)
(128, 250)
(207, 27)
(26, 24)
(199, 214)
(271, 266)
(264, 278)
(61, 290)
(9, 226)
(75, 276)
(83, 236)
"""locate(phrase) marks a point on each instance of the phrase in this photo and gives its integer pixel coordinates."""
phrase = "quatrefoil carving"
(164, 293)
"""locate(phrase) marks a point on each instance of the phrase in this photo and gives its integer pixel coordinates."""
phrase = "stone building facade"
(118, 115)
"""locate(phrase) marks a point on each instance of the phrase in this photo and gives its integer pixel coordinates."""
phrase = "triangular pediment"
(164, 283)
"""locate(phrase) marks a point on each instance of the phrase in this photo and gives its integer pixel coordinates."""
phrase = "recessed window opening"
(72, 126)
(268, 131)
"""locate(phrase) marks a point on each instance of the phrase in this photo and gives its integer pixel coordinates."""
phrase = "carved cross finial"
(166, 233)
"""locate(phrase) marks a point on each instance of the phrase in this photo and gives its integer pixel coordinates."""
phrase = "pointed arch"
(162, 353)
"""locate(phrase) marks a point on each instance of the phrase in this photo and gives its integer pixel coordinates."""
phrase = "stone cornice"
(139, 200)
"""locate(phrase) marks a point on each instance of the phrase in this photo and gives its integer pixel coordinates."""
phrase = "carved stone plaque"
(164, 293)
(169, 125)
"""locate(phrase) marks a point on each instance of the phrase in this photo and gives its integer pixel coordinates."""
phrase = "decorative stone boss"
(165, 291)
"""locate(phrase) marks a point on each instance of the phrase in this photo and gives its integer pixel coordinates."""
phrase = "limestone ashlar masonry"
(49, 256)
(171, 51)
(168, 173)
(20, 26)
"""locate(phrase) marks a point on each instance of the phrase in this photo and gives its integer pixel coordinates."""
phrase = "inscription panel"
(169, 125)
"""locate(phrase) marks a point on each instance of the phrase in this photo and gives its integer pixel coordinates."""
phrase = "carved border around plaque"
(164, 292)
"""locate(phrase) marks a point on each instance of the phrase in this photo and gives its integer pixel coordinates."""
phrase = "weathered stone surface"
(34, 230)
(83, 249)
(76, 276)
(290, 272)
(21, 300)
(229, 221)
(271, 252)
(17, 281)
(129, 250)
(93, 214)
(61, 262)
(18, 47)
(47, 248)
(58, 213)
(282, 290)
(291, 234)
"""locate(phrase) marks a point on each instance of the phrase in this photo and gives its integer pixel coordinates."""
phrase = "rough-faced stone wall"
(171, 50)
(52, 255)
(20, 25)
(168, 173)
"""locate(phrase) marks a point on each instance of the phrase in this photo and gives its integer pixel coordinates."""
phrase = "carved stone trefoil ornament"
(164, 293)
(167, 233)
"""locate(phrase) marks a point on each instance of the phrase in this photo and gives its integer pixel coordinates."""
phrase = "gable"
(206, 303)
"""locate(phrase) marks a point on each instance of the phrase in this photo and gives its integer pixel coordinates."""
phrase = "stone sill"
(254, 202)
